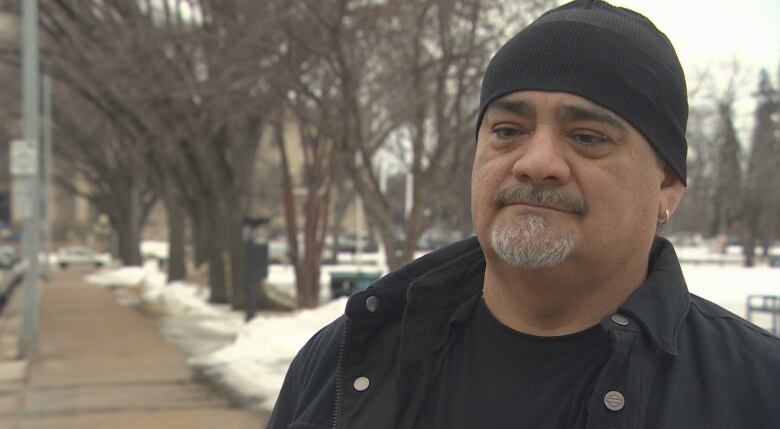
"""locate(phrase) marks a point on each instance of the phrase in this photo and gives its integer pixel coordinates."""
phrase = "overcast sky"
(708, 32)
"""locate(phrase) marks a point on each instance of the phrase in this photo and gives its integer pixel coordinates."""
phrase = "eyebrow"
(569, 112)
(517, 107)
(581, 113)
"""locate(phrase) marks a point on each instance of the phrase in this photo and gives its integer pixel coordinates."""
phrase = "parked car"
(78, 255)
(9, 257)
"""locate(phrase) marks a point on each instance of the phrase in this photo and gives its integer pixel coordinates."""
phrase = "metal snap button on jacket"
(361, 384)
(372, 303)
(620, 319)
(614, 400)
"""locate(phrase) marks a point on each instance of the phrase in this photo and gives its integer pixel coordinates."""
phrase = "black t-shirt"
(495, 377)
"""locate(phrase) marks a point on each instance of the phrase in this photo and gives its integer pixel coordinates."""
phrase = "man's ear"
(672, 190)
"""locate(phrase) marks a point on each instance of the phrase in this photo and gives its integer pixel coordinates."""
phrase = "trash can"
(256, 251)
(774, 261)
(347, 282)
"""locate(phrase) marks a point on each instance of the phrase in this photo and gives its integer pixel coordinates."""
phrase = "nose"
(541, 160)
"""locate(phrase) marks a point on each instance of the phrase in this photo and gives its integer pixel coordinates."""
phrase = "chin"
(529, 243)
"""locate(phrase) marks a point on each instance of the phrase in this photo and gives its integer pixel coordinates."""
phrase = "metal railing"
(765, 304)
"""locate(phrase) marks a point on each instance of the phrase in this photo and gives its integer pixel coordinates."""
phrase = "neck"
(560, 300)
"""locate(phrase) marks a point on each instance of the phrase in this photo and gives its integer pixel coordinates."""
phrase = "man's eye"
(589, 139)
(506, 132)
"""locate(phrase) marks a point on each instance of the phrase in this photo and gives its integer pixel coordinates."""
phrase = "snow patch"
(125, 276)
(254, 365)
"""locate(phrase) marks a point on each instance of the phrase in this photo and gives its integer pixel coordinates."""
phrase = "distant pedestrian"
(566, 310)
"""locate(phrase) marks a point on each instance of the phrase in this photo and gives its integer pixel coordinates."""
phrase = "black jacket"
(678, 361)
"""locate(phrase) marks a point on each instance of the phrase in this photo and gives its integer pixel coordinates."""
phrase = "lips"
(538, 206)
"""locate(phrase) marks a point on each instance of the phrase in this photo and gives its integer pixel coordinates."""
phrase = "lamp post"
(30, 108)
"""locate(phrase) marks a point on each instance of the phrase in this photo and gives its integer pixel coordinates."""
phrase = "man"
(566, 310)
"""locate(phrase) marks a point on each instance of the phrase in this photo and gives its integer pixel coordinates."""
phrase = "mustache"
(529, 194)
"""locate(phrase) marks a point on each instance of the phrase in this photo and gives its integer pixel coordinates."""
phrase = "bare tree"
(78, 59)
(181, 85)
(411, 78)
(761, 194)
(440, 51)
(310, 87)
(217, 66)
(320, 158)
(728, 177)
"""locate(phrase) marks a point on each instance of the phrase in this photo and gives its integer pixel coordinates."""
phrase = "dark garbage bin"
(256, 250)
(347, 282)
(774, 261)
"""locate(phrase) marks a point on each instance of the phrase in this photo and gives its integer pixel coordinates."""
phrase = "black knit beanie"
(612, 56)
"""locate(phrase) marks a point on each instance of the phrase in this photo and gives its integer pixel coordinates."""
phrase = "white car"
(78, 255)
(9, 257)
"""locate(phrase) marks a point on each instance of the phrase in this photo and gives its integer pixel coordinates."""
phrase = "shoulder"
(731, 334)
(732, 364)
(307, 392)
(321, 351)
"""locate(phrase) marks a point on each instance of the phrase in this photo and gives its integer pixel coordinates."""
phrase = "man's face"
(559, 179)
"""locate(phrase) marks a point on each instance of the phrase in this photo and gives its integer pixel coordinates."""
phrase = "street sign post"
(24, 169)
(24, 158)
(22, 199)
(26, 165)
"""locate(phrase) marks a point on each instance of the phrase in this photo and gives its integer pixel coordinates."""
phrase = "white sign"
(22, 199)
(24, 158)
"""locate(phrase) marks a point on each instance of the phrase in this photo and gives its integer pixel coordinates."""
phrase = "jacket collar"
(434, 281)
(661, 304)
(429, 281)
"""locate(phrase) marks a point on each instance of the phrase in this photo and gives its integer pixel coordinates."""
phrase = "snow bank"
(254, 365)
(154, 249)
(729, 286)
(126, 276)
(182, 298)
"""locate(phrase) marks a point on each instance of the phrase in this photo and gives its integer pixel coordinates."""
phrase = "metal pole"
(46, 194)
(30, 108)
(358, 218)
(409, 194)
(382, 251)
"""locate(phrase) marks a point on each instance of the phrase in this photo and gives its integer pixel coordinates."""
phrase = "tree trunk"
(199, 229)
(750, 233)
(387, 235)
(129, 242)
(748, 251)
(125, 220)
(291, 214)
(217, 284)
(308, 281)
(177, 265)
(134, 225)
(237, 255)
(216, 260)
(317, 205)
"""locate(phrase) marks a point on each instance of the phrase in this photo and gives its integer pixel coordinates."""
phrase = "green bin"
(345, 283)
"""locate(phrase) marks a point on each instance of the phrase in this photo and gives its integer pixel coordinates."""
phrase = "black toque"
(612, 56)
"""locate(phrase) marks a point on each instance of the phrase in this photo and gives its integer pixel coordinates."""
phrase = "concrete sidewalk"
(102, 365)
